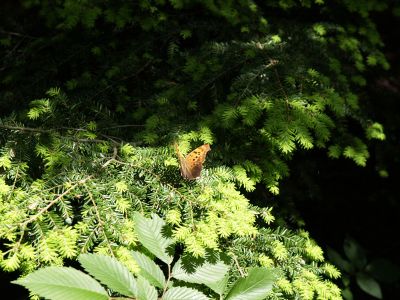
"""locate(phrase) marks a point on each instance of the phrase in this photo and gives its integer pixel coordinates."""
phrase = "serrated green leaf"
(149, 269)
(255, 286)
(145, 290)
(212, 275)
(110, 272)
(219, 286)
(61, 283)
(177, 293)
(149, 234)
(369, 285)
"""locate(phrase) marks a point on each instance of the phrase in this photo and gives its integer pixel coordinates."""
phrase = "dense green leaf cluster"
(96, 191)
(90, 190)
(60, 283)
(244, 71)
(258, 81)
(303, 272)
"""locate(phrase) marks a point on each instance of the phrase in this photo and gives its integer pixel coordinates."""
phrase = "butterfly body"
(192, 164)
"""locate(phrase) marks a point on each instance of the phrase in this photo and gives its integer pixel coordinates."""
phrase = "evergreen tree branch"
(45, 209)
(100, 223)
(283, 92)
(68, 137)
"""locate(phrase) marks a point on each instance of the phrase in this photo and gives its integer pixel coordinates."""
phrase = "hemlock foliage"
(257, 81)
(65, 283)
(89, 203)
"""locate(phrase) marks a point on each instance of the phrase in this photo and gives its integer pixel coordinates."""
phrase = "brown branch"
(26, 129)
(100, 222)
(283, 92)
(112, 158)
(39, 130)
(237, 265)
(43, 210)
(123, 126)
(17, 34)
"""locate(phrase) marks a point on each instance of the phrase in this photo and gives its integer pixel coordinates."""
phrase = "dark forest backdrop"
(298, 99)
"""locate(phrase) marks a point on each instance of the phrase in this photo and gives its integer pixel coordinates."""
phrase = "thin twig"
(99, 220)
(17, 34)
(123, 126)
(272, 62)
(283, 91)
(14, 183)
(238, 266)
(165, 183)
(26, 129)
(168, 279)
(43, 210)
(217, 77)
(111, 159)
(123, 78)
(39, 130)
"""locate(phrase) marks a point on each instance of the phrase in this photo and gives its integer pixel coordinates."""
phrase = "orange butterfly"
(192, 164)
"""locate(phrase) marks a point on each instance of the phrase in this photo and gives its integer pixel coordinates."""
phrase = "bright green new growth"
(260, 91)
(207, 217)
(60, 283)
(92, 204)
(69, 212)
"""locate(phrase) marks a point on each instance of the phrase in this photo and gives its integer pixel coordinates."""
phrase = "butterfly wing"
(193, 163)
(182, 163)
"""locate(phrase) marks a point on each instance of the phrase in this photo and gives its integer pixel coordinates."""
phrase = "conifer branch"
(123, 126)
(140, 70)
(39, 130)
(242, 274)
(218, 76)
(115, 152)
(100, 222)
(45, 209)
(26, 129)
(171, 187)
(13, 185)
(283, 92)
(17, 34)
